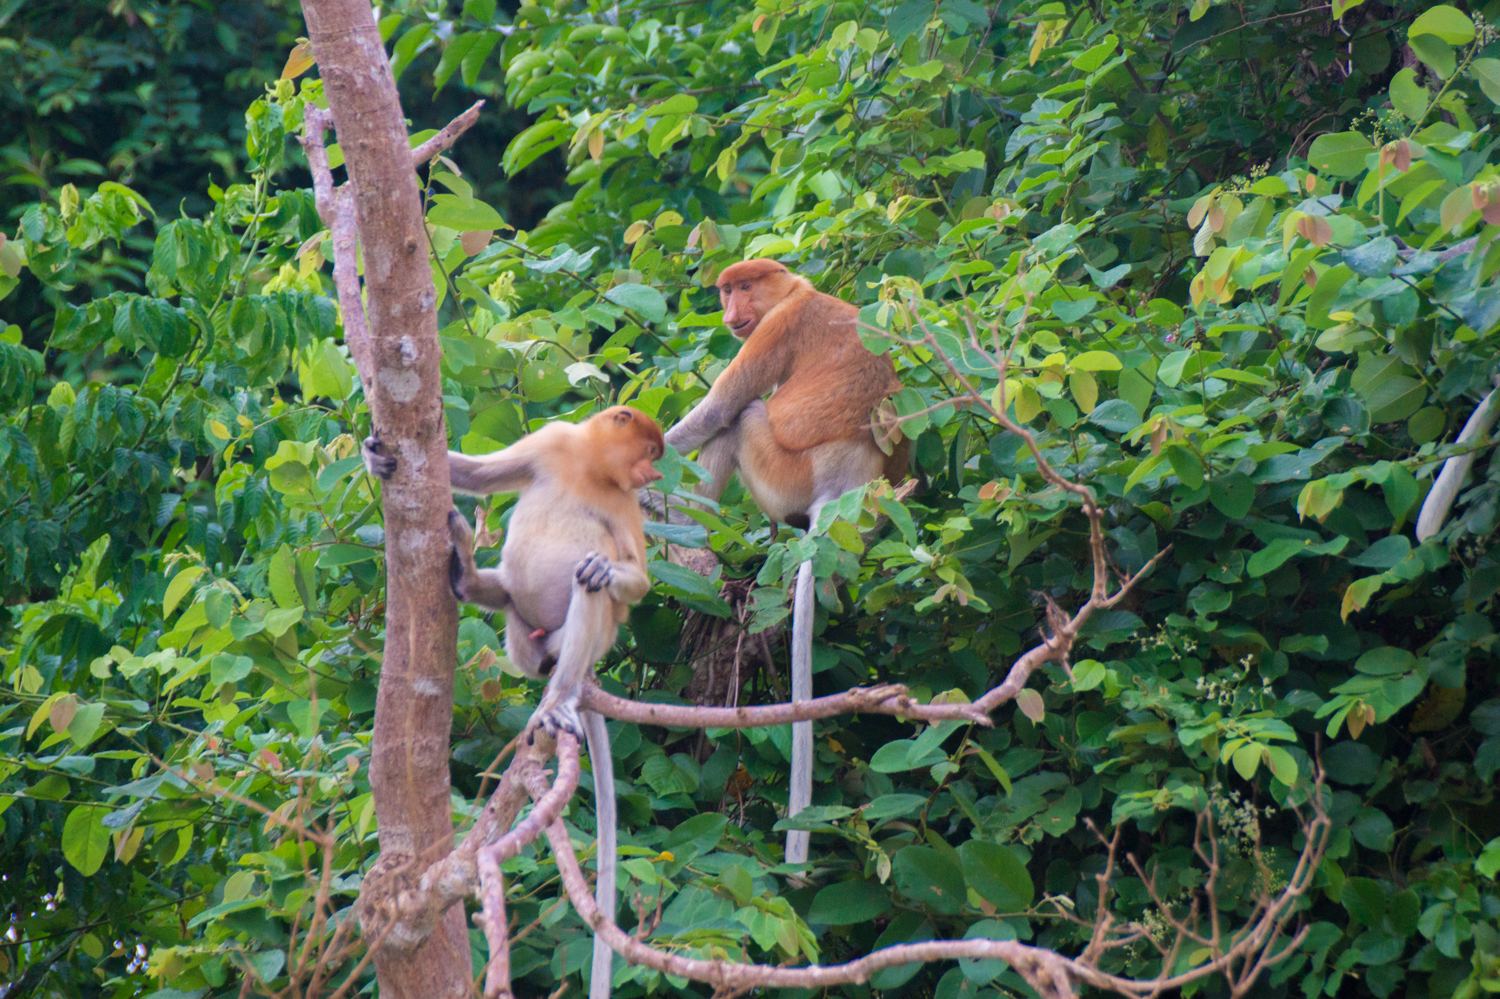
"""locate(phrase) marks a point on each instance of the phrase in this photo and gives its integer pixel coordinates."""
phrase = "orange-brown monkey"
(804, 447)
(811, 441)
(573, 562)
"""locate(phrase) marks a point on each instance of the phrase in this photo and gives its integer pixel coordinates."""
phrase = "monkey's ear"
(623, 416)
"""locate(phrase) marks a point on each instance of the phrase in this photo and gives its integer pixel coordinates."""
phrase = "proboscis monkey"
(573, 562)
(806, 445)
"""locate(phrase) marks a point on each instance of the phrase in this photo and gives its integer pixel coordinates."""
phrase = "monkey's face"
(636, 440)
(742, 312)
(643, 472)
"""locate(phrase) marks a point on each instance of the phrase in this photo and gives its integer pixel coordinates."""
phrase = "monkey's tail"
(800, 795)
(603, 764)
(1445, 490)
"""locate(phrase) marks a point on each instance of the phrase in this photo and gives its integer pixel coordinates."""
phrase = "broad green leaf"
(463, 214)
(641, 299)
(85, 841)
(926, 877)
(1365, 900)
(1448, 23)
(1232, 494)
(1339, 154)
(1246, 759)
(849, 902)
(997, 875)
(1408, 96)
(179, 586)
(1487, 73)
(1095, 360)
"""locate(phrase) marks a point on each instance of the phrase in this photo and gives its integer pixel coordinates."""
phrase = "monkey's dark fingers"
(456, 573)
(595, 572)
(382, 466)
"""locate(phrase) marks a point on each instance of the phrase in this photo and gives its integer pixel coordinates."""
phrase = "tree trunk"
(414, 707)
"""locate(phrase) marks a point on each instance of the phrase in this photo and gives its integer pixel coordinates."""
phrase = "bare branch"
(887, 699)
(336, 209)
(549, 805)
(445, 138)
(1052, 975)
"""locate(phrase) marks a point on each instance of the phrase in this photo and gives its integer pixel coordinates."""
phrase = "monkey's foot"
(595, 572)
(382, 466)
(560, 717)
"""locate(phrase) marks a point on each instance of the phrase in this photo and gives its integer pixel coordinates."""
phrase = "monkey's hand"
(624, 581)
(595, 572)
(382, 466)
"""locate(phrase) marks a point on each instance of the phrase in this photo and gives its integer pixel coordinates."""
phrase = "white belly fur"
(543, 546)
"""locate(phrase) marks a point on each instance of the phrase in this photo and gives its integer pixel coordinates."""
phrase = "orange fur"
(801, 346)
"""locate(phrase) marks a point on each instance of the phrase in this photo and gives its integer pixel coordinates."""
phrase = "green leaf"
(1487, 72)
(1427, 424)
(1384, 553)
(927, 71)
(1395, 399)
(85, 724)
(889, 806)
(676, 104)
(926, 877)
(542, 381)
(1185, 465)
(1094, 360)
(997, 875)
(281, 577)
(1408, 96)
(1272, 556)
(463, 214)
(1232, 495)
(1365, 900)
(687, 535)
(1448, 23)
(1372, 828)
(697, 836)
(340, 554)
(178, 587)
(305, 715)
(642, 299)
(907, 18)
(1372, 259)
(1115, 415)
(1088, 674)
(849, 902)
(987, 969)
(1387, 660)
(1340, 154)
(85, 841)
(1435, 53)
(225, 668)
(901, 754)
(1246, 759)
(278, 621)
(1283, 765)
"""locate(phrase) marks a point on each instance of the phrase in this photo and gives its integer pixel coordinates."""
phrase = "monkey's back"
(835, 382)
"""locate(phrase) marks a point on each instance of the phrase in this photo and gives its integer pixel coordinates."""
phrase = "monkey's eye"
(745, 286)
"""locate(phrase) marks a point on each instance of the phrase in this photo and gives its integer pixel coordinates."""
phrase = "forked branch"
(1239, 957)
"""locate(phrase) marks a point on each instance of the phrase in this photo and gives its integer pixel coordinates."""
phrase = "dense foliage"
(1209, 238)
